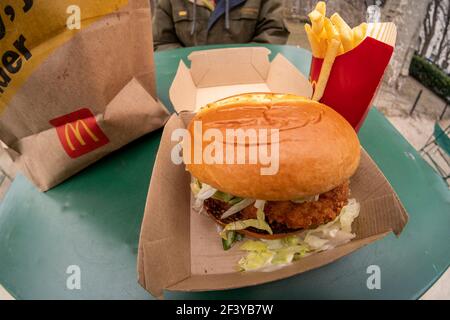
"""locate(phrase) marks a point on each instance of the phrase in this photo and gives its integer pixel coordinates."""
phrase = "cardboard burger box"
(180, 249)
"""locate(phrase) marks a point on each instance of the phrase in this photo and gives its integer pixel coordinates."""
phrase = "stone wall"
(408, 15)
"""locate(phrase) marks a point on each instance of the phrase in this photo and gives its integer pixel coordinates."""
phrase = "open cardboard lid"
(220, 73)
(181, 250)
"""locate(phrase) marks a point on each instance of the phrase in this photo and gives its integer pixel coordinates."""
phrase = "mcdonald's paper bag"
(76, 82)
(357, 74)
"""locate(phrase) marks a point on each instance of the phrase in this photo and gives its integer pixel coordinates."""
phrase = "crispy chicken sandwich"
(317, 150)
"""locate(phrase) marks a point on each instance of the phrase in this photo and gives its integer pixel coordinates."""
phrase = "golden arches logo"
(79, 132)
(75, 129)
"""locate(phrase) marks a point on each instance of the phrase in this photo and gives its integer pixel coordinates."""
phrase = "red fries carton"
(357, 74)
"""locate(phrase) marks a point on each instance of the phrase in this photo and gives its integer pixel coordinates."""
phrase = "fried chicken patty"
(287, 216)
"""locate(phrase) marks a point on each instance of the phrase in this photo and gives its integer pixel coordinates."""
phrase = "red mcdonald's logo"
(79, 132)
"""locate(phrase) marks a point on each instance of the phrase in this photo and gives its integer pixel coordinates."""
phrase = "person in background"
(186, 23)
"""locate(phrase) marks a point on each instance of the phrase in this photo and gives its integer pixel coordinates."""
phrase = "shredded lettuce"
(235, 200)
(205, 192)
(291, 241)
(195, 186)
(227, 197)
(282, 258)
(232, 237)
(244, 224)
(252, 245)
(273, 244)
(306, 199)
(256, 260)
(315, 243)
(237, 207)
(335, 233)
(268, 254)
(258, 223)
(348, 215)
(222, 196)
(259, 204)
(260, 215)
(286, 255)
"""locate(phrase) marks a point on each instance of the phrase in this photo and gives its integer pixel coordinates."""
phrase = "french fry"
(364, 26)
(317, 20)
(316, 45)
(330, 56)
(359, 34)
(340, 23)
(330, 29)
(323, 43)
(347, 40)
(345, 31)
(321, 6)
(341, 49)
(323, 30)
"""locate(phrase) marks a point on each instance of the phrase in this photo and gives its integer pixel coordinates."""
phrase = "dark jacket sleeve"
(270, 27)
(164, 36)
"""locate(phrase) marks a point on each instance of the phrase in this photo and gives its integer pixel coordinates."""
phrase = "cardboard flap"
(381, 209)
(282, 69)
(220, 73)
(183, 92)
(221, 67)
(164, 245)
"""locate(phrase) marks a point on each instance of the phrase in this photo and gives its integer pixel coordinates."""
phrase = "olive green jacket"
(177, 24)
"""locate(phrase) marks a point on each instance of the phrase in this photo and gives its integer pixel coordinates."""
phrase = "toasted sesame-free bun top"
(318, 149)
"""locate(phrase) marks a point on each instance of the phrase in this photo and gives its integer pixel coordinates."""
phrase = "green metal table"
(93, 219)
